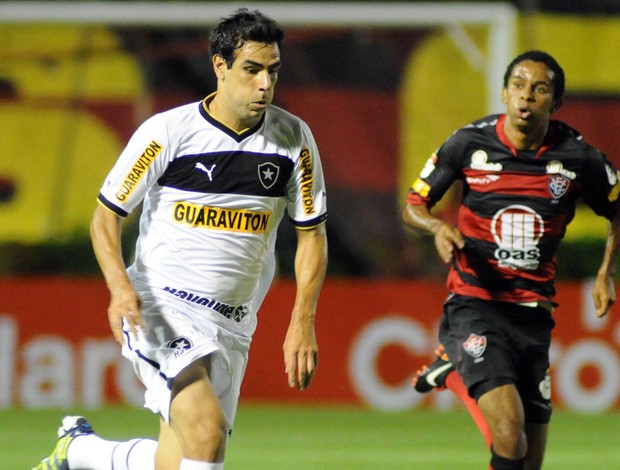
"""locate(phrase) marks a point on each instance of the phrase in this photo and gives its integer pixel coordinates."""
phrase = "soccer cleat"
(71, 427)
(433, 376)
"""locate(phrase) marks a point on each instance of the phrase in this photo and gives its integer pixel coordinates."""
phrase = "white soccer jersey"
(212, 201)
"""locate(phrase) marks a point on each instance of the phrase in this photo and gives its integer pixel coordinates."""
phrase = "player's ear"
(219, 65)
(557, 104)
(504, 96)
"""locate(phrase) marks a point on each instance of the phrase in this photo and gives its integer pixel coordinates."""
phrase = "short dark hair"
(243, 26)
(549, 61)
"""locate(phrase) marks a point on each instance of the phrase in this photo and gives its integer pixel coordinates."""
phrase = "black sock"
(502, 463)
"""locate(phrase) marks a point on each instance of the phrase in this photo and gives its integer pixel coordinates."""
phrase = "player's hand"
(301, 353)
(448, 238)
(125, 305)
(603, 294)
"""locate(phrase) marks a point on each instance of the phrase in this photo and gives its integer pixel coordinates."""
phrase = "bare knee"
(202, 428)
(509, 437)
(503, 411)
(199, 423)
(210, 433)
(193, 437)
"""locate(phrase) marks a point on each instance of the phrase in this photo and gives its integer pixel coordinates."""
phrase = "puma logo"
(204, 169)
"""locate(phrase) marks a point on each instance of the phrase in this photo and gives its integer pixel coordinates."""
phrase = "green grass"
(269, 437)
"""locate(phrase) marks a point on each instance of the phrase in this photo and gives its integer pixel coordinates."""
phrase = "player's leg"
(473, 333)
(536, 396)
(197, 419)
(503, 411)
(454, 382)
(535, 387)
(536, 445)
(439, 375)
(169, 453)
(79, 447)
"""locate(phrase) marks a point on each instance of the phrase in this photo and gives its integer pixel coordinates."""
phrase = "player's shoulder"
(565, 132)
(172, 117)
(280, 116)
(479, 132)
(287, 127)
(570, 139)
(486, 124)
(175, 123)
(179, 113)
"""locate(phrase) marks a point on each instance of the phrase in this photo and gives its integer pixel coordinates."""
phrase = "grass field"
(269, 437)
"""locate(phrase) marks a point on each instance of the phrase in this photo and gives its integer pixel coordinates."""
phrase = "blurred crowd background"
(379, 101)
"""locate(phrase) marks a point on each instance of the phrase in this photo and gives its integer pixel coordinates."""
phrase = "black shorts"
(498, 343)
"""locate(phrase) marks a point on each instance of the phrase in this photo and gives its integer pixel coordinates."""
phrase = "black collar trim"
(237, 136)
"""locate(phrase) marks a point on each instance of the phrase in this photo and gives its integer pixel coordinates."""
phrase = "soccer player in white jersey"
(215, 178)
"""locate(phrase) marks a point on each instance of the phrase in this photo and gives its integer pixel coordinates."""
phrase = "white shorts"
(172, 342)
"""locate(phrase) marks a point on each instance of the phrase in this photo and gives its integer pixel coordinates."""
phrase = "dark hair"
(243, 26)
(550, 62)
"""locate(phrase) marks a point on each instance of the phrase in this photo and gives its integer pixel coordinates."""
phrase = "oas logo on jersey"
(517, 229)
(268, 174)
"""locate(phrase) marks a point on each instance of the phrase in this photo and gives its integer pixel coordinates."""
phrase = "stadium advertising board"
(56, 350)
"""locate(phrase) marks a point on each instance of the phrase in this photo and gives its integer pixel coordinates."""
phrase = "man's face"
(248, 86)
(529, 95)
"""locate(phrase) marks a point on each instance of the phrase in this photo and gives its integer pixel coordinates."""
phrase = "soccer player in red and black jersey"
(522, 175)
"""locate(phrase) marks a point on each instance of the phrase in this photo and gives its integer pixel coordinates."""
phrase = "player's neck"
(525, 139)
(225, 115)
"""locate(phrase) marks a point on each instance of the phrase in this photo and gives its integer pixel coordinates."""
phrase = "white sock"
(90, 451)
(187, 464)
(136, 454)
(94, 453)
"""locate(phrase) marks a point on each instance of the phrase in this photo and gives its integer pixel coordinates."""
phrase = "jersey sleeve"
(139, 166)
(438, 174)
(307, 200)
(601, 185)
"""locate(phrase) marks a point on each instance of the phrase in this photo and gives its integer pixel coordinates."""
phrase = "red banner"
(56, 349)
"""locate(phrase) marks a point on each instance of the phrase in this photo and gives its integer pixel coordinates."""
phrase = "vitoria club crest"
(475, 345)
(559, 178)
(558, 185)
(517, 229)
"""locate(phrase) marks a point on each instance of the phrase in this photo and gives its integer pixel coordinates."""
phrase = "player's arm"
(105, 231)
(447, 236)
(604, 291)
(300, 345)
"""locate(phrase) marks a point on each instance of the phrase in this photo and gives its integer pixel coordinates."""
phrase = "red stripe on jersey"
(517, 184)
(473, 225)
(544, 273)
(456, 285)
(416, 200)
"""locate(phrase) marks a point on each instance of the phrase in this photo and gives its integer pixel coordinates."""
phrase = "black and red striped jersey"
(515, 205)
